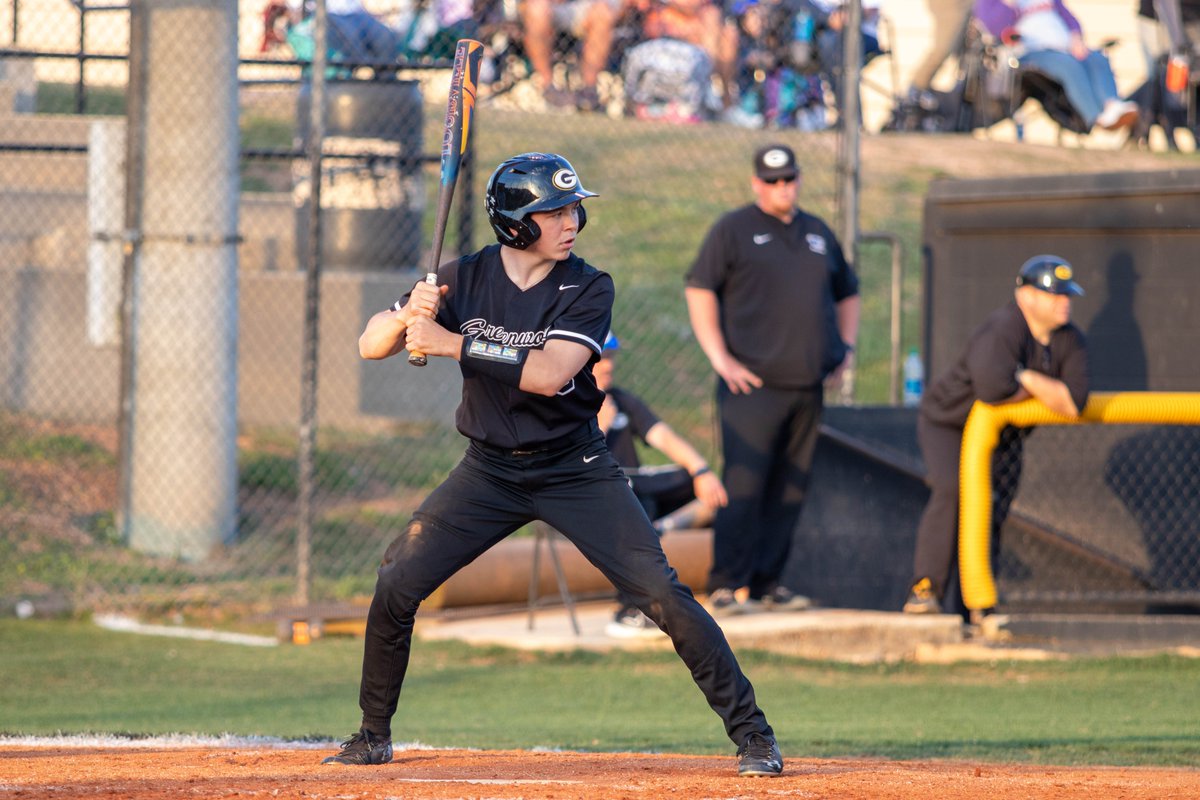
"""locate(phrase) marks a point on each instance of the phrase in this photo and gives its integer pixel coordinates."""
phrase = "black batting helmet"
(528, 183)
(1050, 274)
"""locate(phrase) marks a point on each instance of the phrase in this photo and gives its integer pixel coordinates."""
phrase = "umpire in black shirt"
(774, 305)
(1028, 348)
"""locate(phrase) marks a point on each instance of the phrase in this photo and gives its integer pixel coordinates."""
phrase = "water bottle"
(802, 26)
(802, 37)
(914, 379)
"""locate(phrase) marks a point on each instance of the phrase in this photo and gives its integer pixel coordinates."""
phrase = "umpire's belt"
(581, 434)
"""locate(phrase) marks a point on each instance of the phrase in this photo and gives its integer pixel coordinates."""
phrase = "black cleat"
(723, 603)
(782, 598)
(363, 748)
(759, 757)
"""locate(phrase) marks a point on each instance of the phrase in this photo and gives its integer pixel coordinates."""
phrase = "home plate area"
(151, 769)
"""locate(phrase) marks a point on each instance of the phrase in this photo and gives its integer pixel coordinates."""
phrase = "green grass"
(18, 443)
(71, 677)
(60, 98)
(10, 495)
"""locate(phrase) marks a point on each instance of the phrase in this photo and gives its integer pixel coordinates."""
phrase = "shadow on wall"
(1116, 350)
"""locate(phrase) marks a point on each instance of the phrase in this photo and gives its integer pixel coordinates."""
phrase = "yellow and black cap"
(1050, 274)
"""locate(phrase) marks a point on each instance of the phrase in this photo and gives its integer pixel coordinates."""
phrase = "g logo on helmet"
(565, 180)
(1063, 272)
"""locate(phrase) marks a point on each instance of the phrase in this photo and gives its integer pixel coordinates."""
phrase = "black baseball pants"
(936, 555)
(659, 494)
(768, 438)
(580, 491)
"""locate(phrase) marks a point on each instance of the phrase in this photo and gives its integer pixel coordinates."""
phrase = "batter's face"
(777, 199)
(559, 227)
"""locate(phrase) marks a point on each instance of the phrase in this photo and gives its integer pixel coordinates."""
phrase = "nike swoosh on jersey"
(762, 238)
(568, 286)
(590, 459)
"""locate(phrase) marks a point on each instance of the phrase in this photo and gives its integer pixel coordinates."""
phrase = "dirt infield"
(151, 773)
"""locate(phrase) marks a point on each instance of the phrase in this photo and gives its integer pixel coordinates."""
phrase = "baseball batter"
(526, 320)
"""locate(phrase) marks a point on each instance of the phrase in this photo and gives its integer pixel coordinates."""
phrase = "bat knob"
(418, 360)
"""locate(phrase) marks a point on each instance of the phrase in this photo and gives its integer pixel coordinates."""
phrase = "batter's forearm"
(384, 335)
(548, 370)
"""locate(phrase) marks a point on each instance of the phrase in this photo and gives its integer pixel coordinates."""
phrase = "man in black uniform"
(774, 305)
(525, 320)
(624, 418)
(1027, 348)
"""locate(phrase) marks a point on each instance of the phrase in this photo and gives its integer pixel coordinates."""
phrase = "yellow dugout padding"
(980, 437)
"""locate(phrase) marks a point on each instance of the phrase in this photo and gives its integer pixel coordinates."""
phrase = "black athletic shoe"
(723, 603)
(363, 748)
(782, 598)
(759, 757)
(630, 623)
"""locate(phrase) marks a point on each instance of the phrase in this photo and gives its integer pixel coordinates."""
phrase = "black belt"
(581, 434)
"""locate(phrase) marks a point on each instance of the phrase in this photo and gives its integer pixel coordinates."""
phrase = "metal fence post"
(306, 452)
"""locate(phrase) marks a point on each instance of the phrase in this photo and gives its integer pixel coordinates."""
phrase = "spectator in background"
(590, 21)
(698, 22)
(354, 33)
(1167, 26)
(623, 419)
(434, 33)
(1169, 31)
(830, 40)
(949, 18)
(775, 307)
(1027, 348)
(1048, 38)
(779, 80)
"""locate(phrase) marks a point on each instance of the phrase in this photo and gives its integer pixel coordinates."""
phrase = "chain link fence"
(186, 425)
(1111, 526)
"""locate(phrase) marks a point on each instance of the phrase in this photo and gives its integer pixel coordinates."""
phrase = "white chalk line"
(122, 624)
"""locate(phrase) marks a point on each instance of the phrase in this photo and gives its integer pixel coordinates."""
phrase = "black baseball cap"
(1050, 274)
(775, 161)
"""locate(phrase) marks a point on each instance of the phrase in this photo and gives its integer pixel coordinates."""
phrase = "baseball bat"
(460, 107)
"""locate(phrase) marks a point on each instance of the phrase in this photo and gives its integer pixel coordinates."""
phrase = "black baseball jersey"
(778, 285)
(573, 302)
(634, 419)
(986, 368)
